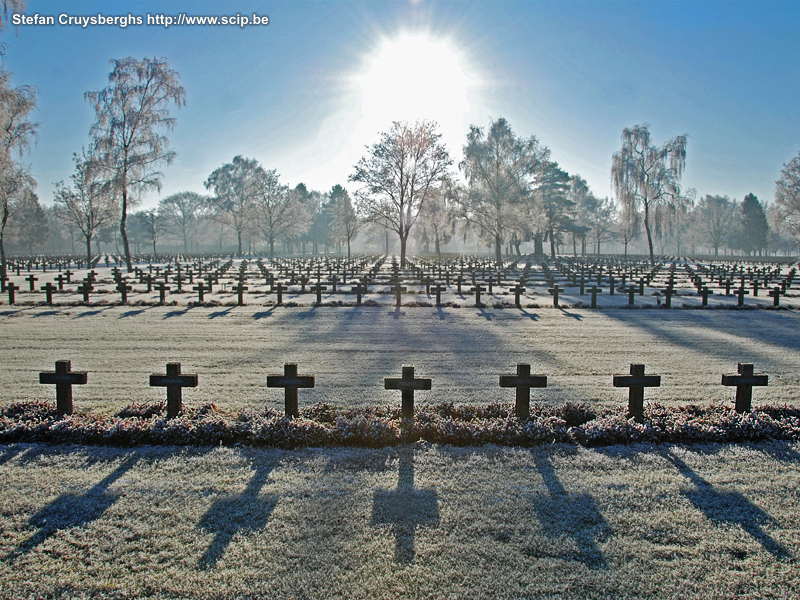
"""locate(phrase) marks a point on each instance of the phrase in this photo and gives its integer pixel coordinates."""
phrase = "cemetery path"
(351, 350)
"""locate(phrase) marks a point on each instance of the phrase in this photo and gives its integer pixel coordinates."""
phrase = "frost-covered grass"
(706, 522)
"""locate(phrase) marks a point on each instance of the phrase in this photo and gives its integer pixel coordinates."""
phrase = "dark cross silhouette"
(31, 279)
(669, 293)
(478, 289)
(518, 290)
(705, 293)
(64, 379)
(567, 515)
(555, 290)
(162, 288)
(594, 290)
(290, 381)
(728, 507)
(407, 384)
(318, 288)
(249, 510)
(200, 289)
(49, 288)
(405, 508)
(174, 381)
(636, 382)
(398, 289)
(741, 293)
(438, 289)
(240, 289)
(631, 294)
(744, 383)
(73, 510)
(85, 288)
(123, 288)
(279, 289)
(11, 287)
(774, 293)
(523, 381)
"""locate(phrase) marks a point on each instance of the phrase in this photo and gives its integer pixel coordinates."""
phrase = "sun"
(414, 76)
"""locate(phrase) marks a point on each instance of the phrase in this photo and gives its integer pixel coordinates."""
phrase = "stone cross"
(64, 379)
(636, 382)
(279, 289)
(523, 381)
(669, 292)
(85, 288)
(744, 383)
(200, 289)
(438, 289)
(518, 290)
(290, 381)
(631, 294)
(162, 288)
(594, 290)
(398, 289)
(478, 289)
(11, 287)
(123, 288)
(31, 279)
(555, 290)
(741, 293)
(775, 294)
(705, 293)
(407, 384)
(49, 288)
(174, 381)
(240, 289)
(318, 288)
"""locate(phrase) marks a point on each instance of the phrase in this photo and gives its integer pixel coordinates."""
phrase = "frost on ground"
(412, 521)
(351, 351)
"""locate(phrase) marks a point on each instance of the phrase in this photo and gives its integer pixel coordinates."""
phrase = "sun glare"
(413, 77)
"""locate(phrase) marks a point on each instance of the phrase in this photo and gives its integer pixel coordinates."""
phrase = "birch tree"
(235, 185)
(17, 133)
(130, 113)
(182, 213)
(647, 177)
(399, 175)
(345, 221)
(279, 213)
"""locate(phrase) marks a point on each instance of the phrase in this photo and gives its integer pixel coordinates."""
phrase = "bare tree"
(125, 138)
(715, 221)
(181, 213)
(647, 177)
(439, 217)
(500, 169)
(235, 186)
(278, 210)
(787, 196)
(628, 226)
(400, 174)
(345, 221)
(153, 225)
(88, 205)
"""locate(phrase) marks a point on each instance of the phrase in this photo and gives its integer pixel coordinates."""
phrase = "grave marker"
(64, 379)
(636, 382)
(290, 381)
(523, 381)
(744, 383)
(174, 381)
(407, 384)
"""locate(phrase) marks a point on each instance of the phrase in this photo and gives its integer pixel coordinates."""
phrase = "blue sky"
(305, 94)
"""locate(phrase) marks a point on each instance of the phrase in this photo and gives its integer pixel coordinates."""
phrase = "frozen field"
(351, 349)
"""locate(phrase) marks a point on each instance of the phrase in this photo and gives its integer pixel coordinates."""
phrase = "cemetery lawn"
(350, 350)
(419, 521)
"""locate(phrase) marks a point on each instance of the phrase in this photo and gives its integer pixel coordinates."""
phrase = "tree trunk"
(122, 220)
(498, 250)
(155, 254)
(348, 248)
(552, 245)
(271, 248)
(403, 242)
(649, 235)
(239, 237)
(2, 241)
(89, 249)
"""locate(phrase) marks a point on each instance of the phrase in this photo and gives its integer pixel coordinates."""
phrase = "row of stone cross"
(290, 380)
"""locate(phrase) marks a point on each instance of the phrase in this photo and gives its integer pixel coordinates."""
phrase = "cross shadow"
(265, 313)
(177, 313)
(8, 453)
(563, 514)
(90, 313)
(306, 314)
(441, 314)
(46, 313)
(575, 316)
(781, 451)
(530, 315)
(397, 313)
(248, 510)
(220, 313)
(728, 507)
(405, 508)
(482, 312)
(9, 313)
(73, 510)
(131, 313)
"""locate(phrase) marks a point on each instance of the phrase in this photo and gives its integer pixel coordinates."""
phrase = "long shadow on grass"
(405, 508)
(73, 510)
(728, 507)
(248, 510)
(563, 514)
